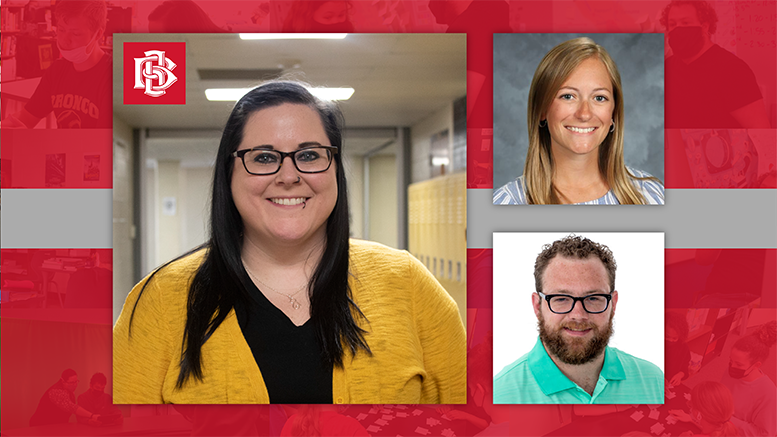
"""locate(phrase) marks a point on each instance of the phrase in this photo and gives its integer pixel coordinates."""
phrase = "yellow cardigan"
(414, 331)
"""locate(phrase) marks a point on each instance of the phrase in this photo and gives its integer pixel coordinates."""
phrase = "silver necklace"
(294, 302)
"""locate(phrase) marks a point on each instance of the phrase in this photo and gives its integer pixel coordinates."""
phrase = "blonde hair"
(716, 405)
(553, 70)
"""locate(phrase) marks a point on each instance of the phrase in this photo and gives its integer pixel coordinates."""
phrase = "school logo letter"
(154, 73)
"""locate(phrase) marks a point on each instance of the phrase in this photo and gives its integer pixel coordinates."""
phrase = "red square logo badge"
(154, 73)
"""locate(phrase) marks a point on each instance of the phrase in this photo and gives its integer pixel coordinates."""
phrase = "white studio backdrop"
(639, 280)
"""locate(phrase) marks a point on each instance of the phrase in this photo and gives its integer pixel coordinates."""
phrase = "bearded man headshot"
(571, 363)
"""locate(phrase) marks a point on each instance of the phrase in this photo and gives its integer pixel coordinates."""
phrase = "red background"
(38, 343)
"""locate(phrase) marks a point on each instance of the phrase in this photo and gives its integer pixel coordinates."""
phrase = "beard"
(572, 350)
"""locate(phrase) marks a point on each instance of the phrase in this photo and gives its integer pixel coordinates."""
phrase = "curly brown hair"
(758, 343)
(704, 12)
(574, 246)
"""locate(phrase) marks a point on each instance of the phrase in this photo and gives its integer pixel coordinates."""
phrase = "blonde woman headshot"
(576, 129)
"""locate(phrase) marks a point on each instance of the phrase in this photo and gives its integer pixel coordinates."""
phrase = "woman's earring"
(543, 125)
(612, 127)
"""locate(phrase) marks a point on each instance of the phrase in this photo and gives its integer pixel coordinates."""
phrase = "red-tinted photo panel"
(63, 158)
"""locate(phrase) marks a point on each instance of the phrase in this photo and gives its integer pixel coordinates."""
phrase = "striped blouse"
(514, 192)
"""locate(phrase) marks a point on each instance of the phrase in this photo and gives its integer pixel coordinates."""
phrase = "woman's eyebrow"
(304, 145)
(309, 144)
(577, 90)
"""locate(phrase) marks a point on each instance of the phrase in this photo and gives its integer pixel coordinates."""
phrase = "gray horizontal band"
(56, 218)
(742, 218)
(736, 218)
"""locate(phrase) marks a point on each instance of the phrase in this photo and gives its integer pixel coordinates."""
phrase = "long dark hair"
(221, 280)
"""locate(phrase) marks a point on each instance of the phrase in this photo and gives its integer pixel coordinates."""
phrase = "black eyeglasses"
(563, 304)
(263, 161)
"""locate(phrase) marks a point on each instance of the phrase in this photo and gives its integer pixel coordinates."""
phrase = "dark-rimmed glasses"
(262, 161)
(563, 303)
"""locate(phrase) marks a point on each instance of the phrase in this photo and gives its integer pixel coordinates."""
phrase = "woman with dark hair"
(279, 305)
(576, 133)
(755, 396)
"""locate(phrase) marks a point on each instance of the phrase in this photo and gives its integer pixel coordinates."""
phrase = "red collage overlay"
(56, 315)
(57, 158)
(56, 305)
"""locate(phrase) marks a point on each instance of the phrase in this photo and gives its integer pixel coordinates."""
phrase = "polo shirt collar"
(550, 379)
(612, 368)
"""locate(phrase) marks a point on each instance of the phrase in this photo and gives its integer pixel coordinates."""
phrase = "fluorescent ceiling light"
(234, 94)
(225, 94)
(440, 161)
(252, 36)
(332, 93)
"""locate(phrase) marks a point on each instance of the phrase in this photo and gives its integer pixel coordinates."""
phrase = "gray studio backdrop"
(640, 60)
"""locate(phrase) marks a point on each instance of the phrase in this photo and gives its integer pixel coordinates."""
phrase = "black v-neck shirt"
(288, 356)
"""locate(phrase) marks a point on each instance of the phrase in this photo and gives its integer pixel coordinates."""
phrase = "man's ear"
(614, 300)
(536, 301)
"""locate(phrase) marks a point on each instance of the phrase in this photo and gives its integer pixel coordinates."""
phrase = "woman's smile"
(285, 201)
(581, 130)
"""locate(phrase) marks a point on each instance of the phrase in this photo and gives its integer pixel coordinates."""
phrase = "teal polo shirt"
(535, 379)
